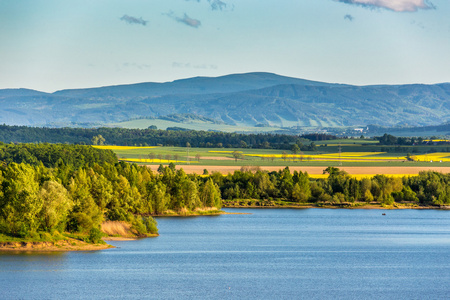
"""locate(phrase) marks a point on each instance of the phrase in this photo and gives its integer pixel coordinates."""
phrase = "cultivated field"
(358, 158)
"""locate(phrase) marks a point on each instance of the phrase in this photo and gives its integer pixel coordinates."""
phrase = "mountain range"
(239, 99)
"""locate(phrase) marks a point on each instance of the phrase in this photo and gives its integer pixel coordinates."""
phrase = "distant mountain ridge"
(244, 99)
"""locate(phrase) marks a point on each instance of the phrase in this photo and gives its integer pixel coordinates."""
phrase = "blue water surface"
(266, 254)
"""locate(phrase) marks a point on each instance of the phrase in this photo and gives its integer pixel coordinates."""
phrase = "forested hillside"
(239, 99)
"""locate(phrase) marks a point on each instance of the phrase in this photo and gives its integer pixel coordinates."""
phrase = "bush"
(138, 226)
(95, 235)
(151, 225)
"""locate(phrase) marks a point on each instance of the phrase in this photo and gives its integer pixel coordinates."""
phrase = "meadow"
(193, 125)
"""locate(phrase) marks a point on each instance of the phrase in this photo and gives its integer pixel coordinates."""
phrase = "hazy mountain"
(245, 99)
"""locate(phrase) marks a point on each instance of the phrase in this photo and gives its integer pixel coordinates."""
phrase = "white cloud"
(395, 5)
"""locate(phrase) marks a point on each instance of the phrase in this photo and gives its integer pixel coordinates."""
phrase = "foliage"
(52, 155)
(95, 235)
(36, 200)
(145, 137)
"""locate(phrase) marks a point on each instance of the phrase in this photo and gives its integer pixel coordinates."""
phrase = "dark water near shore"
(269, 254)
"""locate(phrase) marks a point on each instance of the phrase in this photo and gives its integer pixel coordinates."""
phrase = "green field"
(197, 125)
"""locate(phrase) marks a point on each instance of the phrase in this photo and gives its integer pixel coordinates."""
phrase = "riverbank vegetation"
(57, 200)
(339, 189)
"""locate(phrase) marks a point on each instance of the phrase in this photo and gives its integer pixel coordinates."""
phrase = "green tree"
(237, 155)
(85, 214)
(159, 199)
(56, 206)
(20, 204)
(98, 140)
(210, 195)
(295, 149)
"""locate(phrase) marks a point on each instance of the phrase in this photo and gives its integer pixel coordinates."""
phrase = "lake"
(267, 254)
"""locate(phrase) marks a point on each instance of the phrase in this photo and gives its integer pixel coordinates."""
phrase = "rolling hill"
(238, 99)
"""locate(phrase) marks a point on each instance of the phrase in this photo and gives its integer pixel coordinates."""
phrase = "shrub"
(151, 225)
(95, 235)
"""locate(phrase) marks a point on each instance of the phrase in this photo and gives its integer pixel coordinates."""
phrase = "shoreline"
(342, 206)
(58, 246)
(70, 244)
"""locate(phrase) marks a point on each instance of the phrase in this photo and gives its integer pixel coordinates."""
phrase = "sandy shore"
(198, 169)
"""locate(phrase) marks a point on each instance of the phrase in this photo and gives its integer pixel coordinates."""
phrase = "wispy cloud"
(136, 65)
(185, 20)
(349, 17)
(133, 20)
(189, 21)
(191, 66)
(394, 5)
(217, 4)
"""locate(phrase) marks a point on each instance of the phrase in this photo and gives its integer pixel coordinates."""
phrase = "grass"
(117, 228)
(184, 212)
(194, 125)
(35, 237)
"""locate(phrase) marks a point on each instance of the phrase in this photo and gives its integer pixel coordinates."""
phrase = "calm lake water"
(268, 254)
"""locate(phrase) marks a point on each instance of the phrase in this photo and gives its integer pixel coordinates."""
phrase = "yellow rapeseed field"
(438, 156)
(437, 140)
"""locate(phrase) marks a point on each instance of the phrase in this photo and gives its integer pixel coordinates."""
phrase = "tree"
(56, 206)
(301, 191)
(98, 140)
(85, 214)
(210, 194)
(20, 204)
(368, 197)
(101, 191)
(188, 147)
(237, 155)
(295, 149)
(159, 199)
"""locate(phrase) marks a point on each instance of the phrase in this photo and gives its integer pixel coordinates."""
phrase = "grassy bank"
(50, 243)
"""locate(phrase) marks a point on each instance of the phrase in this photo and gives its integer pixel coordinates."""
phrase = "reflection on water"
(285, 253)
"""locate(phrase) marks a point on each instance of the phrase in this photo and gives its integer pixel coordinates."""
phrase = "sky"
(49, 45)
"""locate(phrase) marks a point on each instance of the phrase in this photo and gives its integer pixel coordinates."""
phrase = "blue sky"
(50, 45)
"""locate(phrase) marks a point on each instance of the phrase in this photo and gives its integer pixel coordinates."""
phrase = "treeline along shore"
(48, 192)
(52, 191)
(283, 188)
